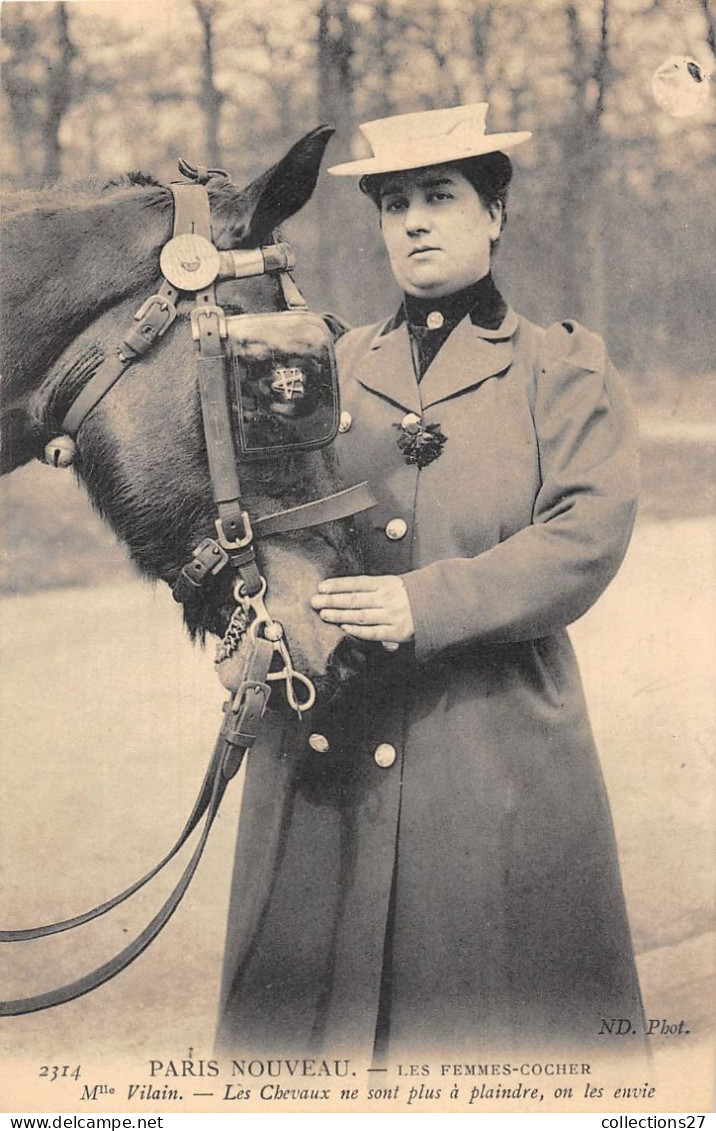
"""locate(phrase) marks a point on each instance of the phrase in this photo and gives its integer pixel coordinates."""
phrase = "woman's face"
(437, 230)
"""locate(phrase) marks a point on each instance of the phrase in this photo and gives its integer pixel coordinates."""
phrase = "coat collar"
(470, 356)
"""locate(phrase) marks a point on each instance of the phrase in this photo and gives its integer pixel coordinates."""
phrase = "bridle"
(191, 264)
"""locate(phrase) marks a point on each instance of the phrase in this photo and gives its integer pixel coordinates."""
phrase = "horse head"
(141, 451)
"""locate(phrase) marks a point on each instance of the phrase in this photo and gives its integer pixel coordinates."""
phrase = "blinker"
(284, 388)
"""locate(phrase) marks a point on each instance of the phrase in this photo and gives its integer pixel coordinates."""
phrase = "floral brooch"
(420, 443)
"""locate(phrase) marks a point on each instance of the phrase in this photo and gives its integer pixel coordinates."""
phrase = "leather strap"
(192, 211)
(200, 806)
(343, 504)
(222, 771)
(225, 484)
(239, 730)
(154, 318)
(209, 558)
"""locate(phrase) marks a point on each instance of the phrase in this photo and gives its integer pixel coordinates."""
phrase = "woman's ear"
(498, 216)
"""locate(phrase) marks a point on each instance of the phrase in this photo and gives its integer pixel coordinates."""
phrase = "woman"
(443, 874)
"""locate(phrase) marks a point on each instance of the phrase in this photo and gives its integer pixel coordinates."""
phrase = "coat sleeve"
(548, 574)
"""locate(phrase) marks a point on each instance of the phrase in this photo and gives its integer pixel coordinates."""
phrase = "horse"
(75, 264)
(76, 261)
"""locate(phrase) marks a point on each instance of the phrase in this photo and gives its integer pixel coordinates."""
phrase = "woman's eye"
(440, 194)
(394, 205)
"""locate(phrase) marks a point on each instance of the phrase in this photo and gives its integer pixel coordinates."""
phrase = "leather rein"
(191, 263)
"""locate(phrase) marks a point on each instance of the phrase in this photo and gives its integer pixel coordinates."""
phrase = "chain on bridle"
(254, 640)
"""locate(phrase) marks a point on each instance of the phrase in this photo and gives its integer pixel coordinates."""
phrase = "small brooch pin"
(420, 443)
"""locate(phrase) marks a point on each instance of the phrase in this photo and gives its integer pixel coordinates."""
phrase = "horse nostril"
(347, 661)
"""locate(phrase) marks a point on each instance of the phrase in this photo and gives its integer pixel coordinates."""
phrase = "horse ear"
(286, 187)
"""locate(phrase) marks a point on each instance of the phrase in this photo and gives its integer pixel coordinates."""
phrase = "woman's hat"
(430, 137)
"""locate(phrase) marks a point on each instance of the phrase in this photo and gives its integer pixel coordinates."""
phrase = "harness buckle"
(208, 311)
(207, 558)
(242, 716)
(162, 319)
(239, 543)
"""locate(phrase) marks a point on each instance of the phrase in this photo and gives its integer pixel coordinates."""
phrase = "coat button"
(345, 421)
(385, 755)
(319, 743)
(396, 529)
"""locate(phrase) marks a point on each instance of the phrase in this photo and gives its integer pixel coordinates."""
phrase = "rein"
(191, 263)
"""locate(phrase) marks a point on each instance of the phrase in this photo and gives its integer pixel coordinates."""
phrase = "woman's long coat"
(470, 887)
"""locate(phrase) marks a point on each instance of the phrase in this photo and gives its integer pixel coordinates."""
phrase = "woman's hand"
(369, 608)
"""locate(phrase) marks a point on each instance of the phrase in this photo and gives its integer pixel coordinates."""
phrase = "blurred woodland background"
(611, 211)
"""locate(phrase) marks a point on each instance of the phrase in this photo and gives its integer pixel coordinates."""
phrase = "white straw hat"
(429, 137)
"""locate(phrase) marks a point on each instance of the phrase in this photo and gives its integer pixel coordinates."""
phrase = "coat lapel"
(387, 369)
(470, 356)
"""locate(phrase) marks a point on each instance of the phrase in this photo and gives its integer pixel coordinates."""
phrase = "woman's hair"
(489, 175)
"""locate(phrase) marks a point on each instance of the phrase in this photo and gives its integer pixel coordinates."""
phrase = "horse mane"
(131, 180)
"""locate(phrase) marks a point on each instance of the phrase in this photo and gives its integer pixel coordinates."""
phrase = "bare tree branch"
(579, 69)
(601, 61)
(710, 28)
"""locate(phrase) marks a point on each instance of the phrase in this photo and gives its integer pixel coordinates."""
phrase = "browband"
(157, 313)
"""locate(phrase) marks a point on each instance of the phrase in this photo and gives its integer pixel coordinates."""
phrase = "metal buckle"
(165, 307)
(240, 543)
(211, 556)
(208, 311)
(242, 716)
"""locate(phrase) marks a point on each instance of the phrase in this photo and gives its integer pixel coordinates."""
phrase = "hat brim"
(440, 154)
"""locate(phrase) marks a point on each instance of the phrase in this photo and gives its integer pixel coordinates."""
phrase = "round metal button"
(409, 420)
(385, 755)
(319, 743)
(189, 262)
(396, 529)
(345, 421)
(434, 320)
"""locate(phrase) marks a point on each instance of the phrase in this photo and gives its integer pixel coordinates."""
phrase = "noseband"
(254, 640)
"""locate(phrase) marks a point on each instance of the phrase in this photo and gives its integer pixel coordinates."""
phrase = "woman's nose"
(416, 218)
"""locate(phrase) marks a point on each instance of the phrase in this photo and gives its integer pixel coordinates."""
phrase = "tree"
(37, 82)
(334, 51)
(710, 29)
(584, 186)
(210, 98)
(59, 93)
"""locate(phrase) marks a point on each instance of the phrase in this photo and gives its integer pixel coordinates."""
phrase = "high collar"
(481, 300)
